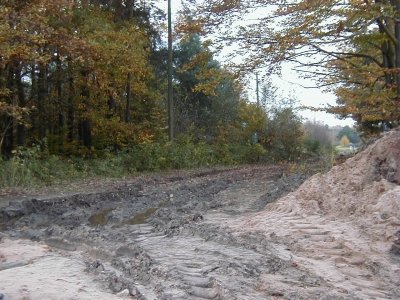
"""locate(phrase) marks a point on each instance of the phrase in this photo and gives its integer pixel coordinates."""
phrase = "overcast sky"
(314, 97)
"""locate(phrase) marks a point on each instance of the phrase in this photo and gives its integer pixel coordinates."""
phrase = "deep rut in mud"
(174, 238)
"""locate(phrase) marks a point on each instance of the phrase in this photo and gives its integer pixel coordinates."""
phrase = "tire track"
(336, 250)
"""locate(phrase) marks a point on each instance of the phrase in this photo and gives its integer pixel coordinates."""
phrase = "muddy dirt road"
(182, 237)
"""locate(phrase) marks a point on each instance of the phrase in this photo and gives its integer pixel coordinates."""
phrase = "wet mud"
(172, 237)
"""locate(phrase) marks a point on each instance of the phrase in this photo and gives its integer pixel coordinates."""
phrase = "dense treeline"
(79, 77)
(77, 74)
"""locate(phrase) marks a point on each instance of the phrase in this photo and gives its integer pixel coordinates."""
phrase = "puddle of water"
(100, 218)
(141, 218)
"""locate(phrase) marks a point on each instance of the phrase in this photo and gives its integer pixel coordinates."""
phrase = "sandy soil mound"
(343, 225)
(364, 189)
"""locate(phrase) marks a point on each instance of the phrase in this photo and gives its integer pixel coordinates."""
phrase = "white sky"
(290, 82)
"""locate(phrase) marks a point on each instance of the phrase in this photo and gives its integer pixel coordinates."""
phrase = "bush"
(35, 166)
(311, 146)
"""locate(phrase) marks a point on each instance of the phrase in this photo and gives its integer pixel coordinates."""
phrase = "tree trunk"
(21, 130)
(397, 36)
(128, 99)
(391, 55)
(60, 126)
(85, 132)
(70, 111)
(41, 96)
(85, 125)
(130, 6)
(119, 9)
(112, 105)
(7, 139)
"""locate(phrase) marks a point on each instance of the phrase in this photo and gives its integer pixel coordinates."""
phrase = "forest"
(83, 84)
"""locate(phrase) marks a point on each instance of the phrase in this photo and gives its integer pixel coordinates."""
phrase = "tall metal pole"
(257, 91)
(170, 96)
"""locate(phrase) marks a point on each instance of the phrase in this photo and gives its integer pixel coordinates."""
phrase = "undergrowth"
(35, 166)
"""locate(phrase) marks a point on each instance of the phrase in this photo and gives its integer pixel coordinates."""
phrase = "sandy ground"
(247, 233)
(30, 270)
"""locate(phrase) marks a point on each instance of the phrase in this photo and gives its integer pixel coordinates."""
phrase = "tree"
(350, 133)
(272, 101)
(319, 132)
(269, 95)
(284, 135)
(368, 92)
(352, 47)
(251, 120)
(344, 141)
(207, 96)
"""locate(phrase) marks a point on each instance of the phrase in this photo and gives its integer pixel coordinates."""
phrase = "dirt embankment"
(215, 235)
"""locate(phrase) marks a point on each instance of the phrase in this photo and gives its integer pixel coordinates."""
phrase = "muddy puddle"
(100, 218)
(142, 217)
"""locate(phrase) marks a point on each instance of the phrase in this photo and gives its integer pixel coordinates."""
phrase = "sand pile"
(366, 183)
(365, 190)
(343, 225)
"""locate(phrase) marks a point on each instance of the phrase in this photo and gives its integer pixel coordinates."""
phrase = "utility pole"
(255, 137)
(257, 91)
(170, 96)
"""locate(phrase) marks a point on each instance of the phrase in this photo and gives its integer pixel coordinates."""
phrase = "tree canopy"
(351, 47)
(350, 133)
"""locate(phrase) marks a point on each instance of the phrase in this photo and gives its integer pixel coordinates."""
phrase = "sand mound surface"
(343, 225)
(365, 189)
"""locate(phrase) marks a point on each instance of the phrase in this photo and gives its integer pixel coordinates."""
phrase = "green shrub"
(311, 146)
(35, 166)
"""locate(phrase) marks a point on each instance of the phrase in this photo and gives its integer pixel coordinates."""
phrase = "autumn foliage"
(88, 78)
(77, 75)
